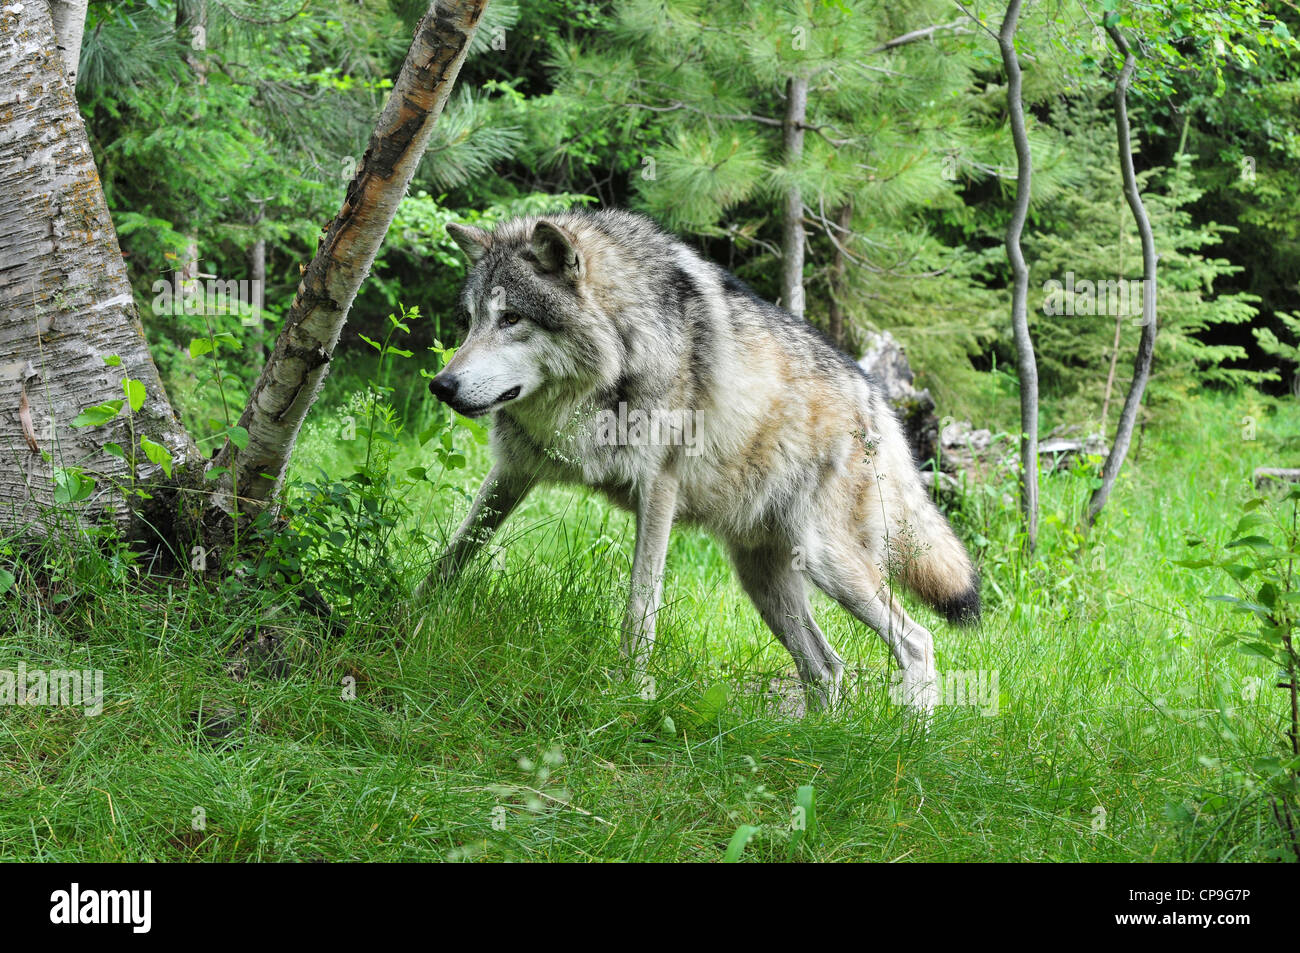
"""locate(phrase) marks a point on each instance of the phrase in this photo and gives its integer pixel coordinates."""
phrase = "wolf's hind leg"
(778, 592)
(857, 585)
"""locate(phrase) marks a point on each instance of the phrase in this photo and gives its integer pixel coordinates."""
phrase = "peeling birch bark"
(65, 302)
(69, 18)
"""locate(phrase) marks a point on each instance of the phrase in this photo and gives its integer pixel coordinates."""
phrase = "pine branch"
(956, 27)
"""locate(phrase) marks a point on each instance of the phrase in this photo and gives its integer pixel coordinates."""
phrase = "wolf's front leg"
(500, 493)
(654, 523)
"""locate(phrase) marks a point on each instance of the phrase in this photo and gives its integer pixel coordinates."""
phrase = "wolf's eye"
(508, 319)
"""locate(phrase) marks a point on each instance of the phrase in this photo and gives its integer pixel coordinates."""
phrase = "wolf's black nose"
(443, 387)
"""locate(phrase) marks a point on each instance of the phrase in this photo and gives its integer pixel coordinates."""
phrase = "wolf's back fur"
(797, 462)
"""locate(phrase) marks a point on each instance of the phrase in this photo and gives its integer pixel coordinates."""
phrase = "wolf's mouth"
(509, 395)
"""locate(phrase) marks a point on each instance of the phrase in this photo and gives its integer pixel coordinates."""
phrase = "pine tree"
(1086, 266)
(705, 89)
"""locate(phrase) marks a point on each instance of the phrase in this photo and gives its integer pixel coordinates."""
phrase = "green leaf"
(135, 393)
(115, 450)
(98, 415)
(1254, 542)
(238, 436)
(739, 841)
(157, 454)
(803, 825)
(200, 346)
(1248, 522)
(6, 581)
(113, 360)
(710, 706)
(71, 486)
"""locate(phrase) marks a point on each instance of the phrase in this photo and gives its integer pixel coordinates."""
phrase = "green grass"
(490, 728)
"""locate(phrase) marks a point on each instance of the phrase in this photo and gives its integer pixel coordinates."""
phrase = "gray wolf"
(767, 436)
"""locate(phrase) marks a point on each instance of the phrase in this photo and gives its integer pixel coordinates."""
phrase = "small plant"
(73, 484)
(343, 533)
(800, 835)
(1261, 561)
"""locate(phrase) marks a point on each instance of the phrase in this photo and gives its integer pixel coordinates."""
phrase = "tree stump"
(886, 363)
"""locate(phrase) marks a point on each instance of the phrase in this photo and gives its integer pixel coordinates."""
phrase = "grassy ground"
(489, 727)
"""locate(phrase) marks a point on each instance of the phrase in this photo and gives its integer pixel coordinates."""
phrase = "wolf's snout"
(444, 387)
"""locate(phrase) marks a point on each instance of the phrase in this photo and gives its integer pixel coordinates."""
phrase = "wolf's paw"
(824, 695)
(917, 692)
(445, 570)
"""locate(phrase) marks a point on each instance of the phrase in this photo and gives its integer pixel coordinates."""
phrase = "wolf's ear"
(473, 241)
(556, 251)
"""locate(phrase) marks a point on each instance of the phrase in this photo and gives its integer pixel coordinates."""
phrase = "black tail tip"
(964, 609)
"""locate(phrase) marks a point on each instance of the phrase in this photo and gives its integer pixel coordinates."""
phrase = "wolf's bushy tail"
(935, 565)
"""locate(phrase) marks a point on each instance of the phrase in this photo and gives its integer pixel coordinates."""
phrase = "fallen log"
(885, 362)
(1264, 475)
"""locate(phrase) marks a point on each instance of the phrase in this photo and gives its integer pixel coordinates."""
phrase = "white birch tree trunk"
(65, 301)
(69, 18)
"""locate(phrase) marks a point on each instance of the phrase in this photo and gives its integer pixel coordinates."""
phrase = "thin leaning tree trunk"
(65, 300)
(293, 376)
(1114, 348)
(1147, 344)
(1026, 364)
(792, 231)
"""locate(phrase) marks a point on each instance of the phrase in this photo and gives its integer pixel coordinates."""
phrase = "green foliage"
(487, 726)
(347, 535)
(1285, 351)
(74, 484)
(675, 108)
(1086, 239)
(1261, 561)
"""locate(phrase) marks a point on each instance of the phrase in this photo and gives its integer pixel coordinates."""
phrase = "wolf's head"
(537, 328)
